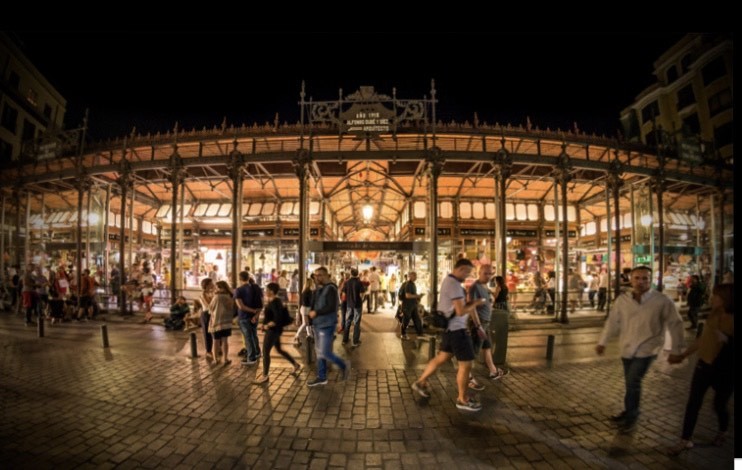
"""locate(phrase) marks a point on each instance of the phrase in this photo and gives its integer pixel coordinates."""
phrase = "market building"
(374, 179)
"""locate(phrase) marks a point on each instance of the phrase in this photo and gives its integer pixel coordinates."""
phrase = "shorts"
(458, 343)
(478, 343)
(222, 333)
(86, 301)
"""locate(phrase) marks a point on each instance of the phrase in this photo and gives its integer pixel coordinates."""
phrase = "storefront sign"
(319, 246)
(291, 232)
(267, 232)
(215, 232)
(441, 231)
(313, 232)
(552, 233)
(477, 231)
(521, 233)
(624, 238)
(116, 236)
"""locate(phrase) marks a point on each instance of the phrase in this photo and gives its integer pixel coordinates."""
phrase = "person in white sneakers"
(456, 339)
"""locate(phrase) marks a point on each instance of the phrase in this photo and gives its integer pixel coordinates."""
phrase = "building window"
(48, 111)
(720, 102)
(29, 131)
(650, 111)
(32, 97)
(14, 80)
(672, 74)
(9, 119)
(691, 125)
(445, 210)
(685, 63)
(6, 151)
(724, 134)
(686, 97)
(714, 70)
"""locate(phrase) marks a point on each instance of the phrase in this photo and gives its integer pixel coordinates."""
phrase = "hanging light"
(646, 220)
(93, 218)
(219, 256)
(368, 212)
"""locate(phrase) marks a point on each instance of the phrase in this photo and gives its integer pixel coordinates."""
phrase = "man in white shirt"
(640, 317)
(456, 339)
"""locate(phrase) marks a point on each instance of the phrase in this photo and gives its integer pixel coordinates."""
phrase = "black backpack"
(401, 293)
(284, 317)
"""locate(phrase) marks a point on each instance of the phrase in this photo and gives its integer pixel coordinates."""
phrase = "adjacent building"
(690, 110)
(29, 104)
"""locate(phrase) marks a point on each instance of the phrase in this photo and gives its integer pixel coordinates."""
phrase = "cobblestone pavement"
(144, 403)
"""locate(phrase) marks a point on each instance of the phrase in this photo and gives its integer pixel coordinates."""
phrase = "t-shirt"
(451, 289)
(480, 291)
(409, 305)
(251, 296)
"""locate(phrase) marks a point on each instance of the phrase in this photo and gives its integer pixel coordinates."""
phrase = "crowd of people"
(470, 311)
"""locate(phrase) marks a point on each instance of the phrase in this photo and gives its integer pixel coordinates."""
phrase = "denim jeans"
(250, 333)
(634, 370)
(208, 339)
(354, 318)
(323, 347)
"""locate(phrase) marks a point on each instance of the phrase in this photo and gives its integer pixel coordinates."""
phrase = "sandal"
(678, 448)
(297, 370)
(720, 439)
(262, 380)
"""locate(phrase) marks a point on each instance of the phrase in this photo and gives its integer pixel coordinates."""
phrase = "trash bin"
(499, 326)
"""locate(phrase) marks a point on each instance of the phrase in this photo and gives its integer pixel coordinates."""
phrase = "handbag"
(440, 319)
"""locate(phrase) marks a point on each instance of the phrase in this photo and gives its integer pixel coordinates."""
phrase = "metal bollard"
(550, 347)
(194, 347)
(40, 326)
(431, 348)
(104, 335)
(699, 329)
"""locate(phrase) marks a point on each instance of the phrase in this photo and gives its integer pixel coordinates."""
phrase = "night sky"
(151, 80)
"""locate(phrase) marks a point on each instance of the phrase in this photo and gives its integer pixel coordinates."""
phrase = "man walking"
(641, 317)
(324, 315)
(481, 290)
(456, 339)
(353, 290)
(410, 302)
(374, 286)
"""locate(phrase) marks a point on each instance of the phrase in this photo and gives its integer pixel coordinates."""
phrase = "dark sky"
(151, 80)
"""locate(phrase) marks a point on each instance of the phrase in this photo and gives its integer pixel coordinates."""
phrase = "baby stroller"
(538, 304)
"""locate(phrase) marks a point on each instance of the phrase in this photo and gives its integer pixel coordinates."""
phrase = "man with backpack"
(353, 290)
(410, 300)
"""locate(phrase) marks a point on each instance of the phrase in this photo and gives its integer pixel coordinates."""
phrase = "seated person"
(56, 308)
(193, 319)
(178, 312)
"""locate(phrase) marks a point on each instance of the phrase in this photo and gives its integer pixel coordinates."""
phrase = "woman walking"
(207, 295)
(222, 312)
(715, 367)
(274, 319)
(305, 305)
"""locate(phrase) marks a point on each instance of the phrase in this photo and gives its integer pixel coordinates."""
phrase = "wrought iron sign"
(366, 113)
